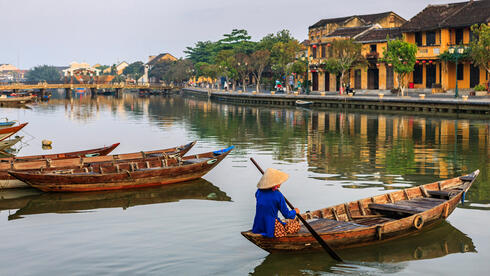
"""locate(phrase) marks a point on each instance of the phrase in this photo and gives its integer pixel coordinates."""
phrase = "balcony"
(372, 55)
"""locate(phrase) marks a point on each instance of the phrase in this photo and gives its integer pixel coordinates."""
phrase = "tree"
(268, 41)
(209, 70)
(135, 70)
(226, 61)
(242, 65)
(401, 55)
(204, 51)
(159, 69)
(258, 61)
(480, 48)
(346, 54)
(282, 54)
(43, 73)
(179, 71)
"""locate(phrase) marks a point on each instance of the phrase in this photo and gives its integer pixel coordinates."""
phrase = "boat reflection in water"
(31, 202)
(441, 240)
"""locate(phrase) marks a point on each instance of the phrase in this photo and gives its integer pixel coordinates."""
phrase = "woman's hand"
(297, 210)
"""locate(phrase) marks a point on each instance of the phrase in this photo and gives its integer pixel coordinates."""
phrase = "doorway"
(373, 78)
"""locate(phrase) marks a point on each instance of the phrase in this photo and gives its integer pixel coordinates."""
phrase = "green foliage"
(160, 69)
(401, 55)
(480, 48)
(268, 41)
(179, 71)
(135, 70)
(204, 51)
(102, 67)
(480, 87)
(43, 73)
(346, 54)
(226, 62)
(446, 56)
(297, 67)
(282, 54)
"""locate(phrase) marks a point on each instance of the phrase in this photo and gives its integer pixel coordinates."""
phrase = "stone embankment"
(420, 104)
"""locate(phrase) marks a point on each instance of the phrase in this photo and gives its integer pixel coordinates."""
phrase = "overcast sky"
(57, 32)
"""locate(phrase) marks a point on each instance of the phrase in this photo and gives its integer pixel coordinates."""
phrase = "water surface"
(194, 228)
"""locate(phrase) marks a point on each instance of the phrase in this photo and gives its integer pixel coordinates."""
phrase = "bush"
(480, 87)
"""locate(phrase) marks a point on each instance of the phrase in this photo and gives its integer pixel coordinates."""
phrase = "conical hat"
(271, 178)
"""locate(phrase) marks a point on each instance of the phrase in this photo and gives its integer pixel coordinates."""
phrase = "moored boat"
(6, 124)
(10, 142)
(375, 219)
(48, 164)
(144, 172)
(9, 131)
(65, 155)
(303, 103)
(16, 100)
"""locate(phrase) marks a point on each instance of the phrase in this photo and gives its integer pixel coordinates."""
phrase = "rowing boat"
(374, 219)
(65, 155)
(9, 131)
(16, 101)
(303, 103)
(6, 124)
(47, 164)
(144, 172)
(10, 142)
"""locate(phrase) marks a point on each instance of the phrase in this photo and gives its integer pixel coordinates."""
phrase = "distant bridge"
(92, 86)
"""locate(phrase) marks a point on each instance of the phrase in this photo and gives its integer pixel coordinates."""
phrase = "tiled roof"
(378, 35)
(367, 18)
(157, 58)
(449, 15)
(348, 32)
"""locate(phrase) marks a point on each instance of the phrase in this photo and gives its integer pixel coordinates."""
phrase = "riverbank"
(431, 105)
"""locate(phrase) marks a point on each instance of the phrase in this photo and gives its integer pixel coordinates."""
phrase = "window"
(330, 52)
(460, 73)
(373, 48)
(430, 38)
(459, 36)
(313, 51)
(418, 74)
(418, 38)
(323, 50)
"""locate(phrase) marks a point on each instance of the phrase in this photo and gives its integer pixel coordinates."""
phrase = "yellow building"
(435, 30)
(369, 29)
(119, 68)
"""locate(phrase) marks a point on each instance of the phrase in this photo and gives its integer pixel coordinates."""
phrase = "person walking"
(269, 202)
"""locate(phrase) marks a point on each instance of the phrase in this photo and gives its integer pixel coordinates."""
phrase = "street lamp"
(457, 52)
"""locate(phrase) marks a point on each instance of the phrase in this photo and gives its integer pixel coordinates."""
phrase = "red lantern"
(423, 61)
(389, 64)
(328, 45)
(377, 64)
(430, 61)
(415, 62)
(314, 46)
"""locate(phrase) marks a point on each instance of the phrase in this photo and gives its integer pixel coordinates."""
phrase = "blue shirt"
(269, 202)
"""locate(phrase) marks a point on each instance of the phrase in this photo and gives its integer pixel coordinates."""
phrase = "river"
(194, 228)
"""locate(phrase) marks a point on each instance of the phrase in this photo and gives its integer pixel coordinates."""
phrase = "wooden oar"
(319, 239)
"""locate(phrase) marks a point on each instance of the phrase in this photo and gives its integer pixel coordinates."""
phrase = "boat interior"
(384, 208)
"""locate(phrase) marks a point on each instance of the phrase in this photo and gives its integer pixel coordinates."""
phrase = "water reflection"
(439, 241)
(351, 150)
(32, 202)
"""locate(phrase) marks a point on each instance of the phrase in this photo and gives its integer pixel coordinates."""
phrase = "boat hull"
(358, 235)
(129, 176)
(18, 164)
(9, 131)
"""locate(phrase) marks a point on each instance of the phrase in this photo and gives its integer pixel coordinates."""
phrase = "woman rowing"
(269, 202)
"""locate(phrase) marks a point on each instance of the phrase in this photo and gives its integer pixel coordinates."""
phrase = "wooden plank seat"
(407, 207)
(329, 225)
(442, 194)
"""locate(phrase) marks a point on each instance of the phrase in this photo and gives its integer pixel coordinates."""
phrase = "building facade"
(435, 30)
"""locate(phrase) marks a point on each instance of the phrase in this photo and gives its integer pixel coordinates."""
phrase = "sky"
(57, 32)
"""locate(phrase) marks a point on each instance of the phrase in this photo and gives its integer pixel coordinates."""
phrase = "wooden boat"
(441, 240)
(303, 103)
(16, 101)
(33, 201)
(9, 131)
(144, 172)
(47, 164)
(375, 219)
(65, 155)
(6, 124)
(10, 142)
